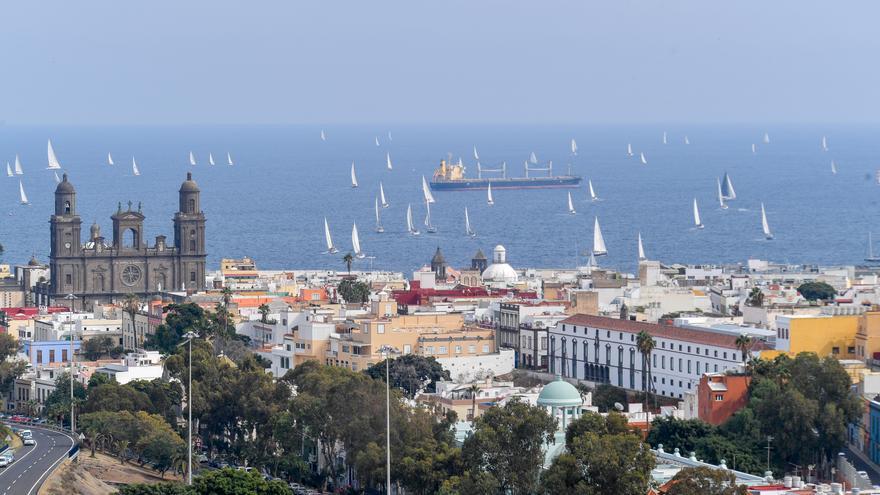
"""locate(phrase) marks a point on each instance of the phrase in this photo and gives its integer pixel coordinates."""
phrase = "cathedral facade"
(101, 270)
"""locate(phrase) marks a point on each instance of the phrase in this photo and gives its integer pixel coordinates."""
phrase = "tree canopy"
(813, 291)
(354, 291)
(705, 481)
(410, 373)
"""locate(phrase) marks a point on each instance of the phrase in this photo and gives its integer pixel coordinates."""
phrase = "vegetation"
(744, 343)
(354, 291)
(221, 482)
(348, 259)
(813, 291)
(97, 347)
(10, 369)
(57, 404)
(646, 344)
(756, 297)
(410, 373)
(705, 481)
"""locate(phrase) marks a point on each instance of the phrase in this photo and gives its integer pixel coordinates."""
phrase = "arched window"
(67, 207)
(564, 356)
(129, 239)
(574, 358)
(586, 359)
(553, 355)
(632, 368)
(192, 205)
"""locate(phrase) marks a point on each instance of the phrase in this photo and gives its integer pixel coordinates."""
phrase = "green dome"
(559, 393)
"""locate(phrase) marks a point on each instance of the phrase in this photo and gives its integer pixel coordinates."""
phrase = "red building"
(719, 396)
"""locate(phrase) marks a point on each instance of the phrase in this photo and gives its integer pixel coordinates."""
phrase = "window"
(51, 355)
(716, 368)
(63, 356)
(662, 366)
(835, 350)
(485, 348)
(523, 344)
(40, 360)
(429, 351)
(679, 365)
(407, 349)
(192, 276)
(543, 343)
(662, 380)
(457, 351)
(443, 350)
(725, 355)
(472, 349)
(850, 350)
(719, 397)
(733, 357)
(698, 367)
(192, 209)
(655, 360)
(68, 279)
(380, 328)
(67, 207)
(689, 366)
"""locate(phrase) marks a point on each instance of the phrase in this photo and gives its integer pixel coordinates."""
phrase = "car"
(4, 461)
(246, 469)
(29, 441)
(26, 434)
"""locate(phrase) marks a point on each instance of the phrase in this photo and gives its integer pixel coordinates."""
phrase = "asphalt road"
(34, 463)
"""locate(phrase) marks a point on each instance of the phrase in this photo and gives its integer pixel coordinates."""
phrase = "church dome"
(95, 231)
(189, 185)
(65, 186)
(34, 262)
(559, 393)
(499, 270)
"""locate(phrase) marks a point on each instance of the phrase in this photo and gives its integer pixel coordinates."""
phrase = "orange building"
(720, 395)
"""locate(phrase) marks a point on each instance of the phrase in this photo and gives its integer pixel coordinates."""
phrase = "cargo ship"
(449, 177)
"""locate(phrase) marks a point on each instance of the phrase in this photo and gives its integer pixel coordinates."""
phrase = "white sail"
(53, 160)
(574, 147)
(593, 196)
(686, 140)
(210, 158)
(720, 195)
(192, 158)
(428, 226)
(377, 140)
(629, 149)
(664, 137)
(467, 224)
(824, 144)
(323, 136)
(389, 136)
(409, 221)
(727, 188)
(21, 193)
(870, 256)
(489, 199)
(229, 159)
(18, 169)
(598, 240)
(570, 205)
(356, 242)
(382, 196)
(8, 170)
(379, 227)
(766, 138)
(764, 225)
(109, 159)
(388, 161)
(697, 222)
(642, 158)
(476, 155)
(641, 249)
(754, 148)
(134, 167)
(533, 159)
(57, 179)
(330, 247)
(354, 179)
(426, 191)
(833, 168)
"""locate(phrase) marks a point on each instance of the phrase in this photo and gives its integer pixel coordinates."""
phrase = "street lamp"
(70, 301)
(189, 336)
(386, 351)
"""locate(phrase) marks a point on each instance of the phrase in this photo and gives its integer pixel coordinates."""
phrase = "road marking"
(52, 467)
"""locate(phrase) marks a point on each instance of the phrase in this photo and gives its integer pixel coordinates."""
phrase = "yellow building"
(825, 335)
(868, 335)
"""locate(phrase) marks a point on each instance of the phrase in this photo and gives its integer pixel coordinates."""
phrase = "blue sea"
(270, 205)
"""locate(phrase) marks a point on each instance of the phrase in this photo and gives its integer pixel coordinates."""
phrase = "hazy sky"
(458, 61)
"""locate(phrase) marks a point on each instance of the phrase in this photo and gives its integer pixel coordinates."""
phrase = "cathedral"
(97, 271)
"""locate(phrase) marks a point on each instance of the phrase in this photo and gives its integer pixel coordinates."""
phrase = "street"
(34, 463)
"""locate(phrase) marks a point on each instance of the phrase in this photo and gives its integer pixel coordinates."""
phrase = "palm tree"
(646, 344)
(348, 259)
(131, 305)
(226, 293)
(756, 297)
(264, 313)
(744, 344)
(474, 389)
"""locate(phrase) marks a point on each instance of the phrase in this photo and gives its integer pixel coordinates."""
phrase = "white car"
(4, 461)
(29, 441)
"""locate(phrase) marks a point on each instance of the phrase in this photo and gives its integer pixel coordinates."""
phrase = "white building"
(141, 365)
(603, 350)
(464, 369)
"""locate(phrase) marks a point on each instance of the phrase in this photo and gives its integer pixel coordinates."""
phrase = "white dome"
(500, 272)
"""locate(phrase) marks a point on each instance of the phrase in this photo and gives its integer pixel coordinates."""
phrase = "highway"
(34, 463)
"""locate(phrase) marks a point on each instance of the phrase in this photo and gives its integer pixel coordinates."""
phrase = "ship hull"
(501, 183)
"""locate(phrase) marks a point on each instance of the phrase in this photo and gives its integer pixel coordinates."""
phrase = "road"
(34, 463)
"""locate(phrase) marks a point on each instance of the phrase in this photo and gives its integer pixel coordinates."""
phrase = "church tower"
(189, 237)
(65, 226)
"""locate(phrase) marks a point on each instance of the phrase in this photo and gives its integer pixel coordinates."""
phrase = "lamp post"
(189, 336)
(70, 301)
(386, 351)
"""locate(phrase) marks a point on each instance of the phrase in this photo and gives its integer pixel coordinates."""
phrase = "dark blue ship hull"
(568, 181)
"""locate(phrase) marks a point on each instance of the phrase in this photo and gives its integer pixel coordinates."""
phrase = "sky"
(446, 62)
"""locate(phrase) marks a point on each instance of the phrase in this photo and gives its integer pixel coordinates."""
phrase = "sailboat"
(53, 160)
(467, 224)
(134, 167)
(426, 191)
(664, 137)
(629, 149)
(409, 221)
(754, 148)
(870, 257)
(642, 158)
(354, 179)
(686, 140)
(697, 222)
(593, 196)
(192, 159)
(533, 159)
(8, 170)
(57, 179)
(574, 147)
(429, 228)
(833, 168)
(389, 136)
(766, 138)
(18, 169)
(109, 159)
(598, 240)
(824, 144)
(388, 161)
(229, 159)
(720, 195)
(379, 227)
(382, 196)
(764, 225)
(641, 249)
(21, 193)
(331, 249)
(489, 200)
(727, 191)
(377, 140)
(210, 158)
(476, 155)
(356, 242)
(570, 205)
(323, 136)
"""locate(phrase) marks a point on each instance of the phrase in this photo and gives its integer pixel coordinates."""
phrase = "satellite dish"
(618, 406)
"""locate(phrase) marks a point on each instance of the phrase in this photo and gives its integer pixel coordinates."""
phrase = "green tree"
(410, 373)
(605, 396)
(96, 347)
(812, 291)
(10, 368)
(354, 291)
(705, 481)
(234, 482)
(264, 313)
(744, 343)
(156, 489)
(57, 404)
(179, 319)
(678, 433)
(756, 297)
(646, 344)
(348, 259)
(507, 443)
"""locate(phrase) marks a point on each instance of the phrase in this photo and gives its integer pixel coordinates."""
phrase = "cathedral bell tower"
(189, 237)
(65, 227)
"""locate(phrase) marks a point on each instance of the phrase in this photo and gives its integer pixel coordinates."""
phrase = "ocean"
(271, 204)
